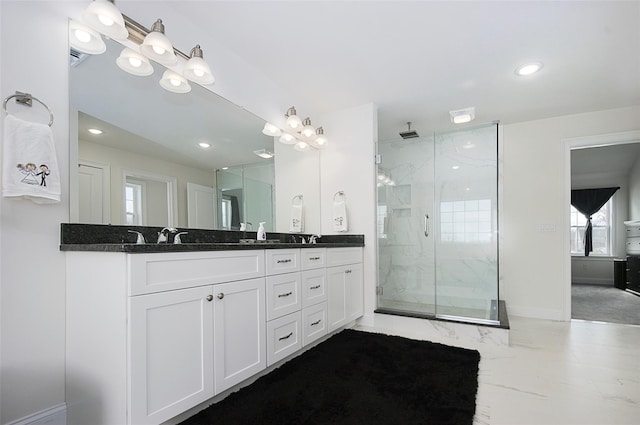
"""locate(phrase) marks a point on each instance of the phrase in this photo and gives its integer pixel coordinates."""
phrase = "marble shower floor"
(557, 373)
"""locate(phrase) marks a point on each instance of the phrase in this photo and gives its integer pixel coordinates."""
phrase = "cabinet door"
(171, 353)
(337, 297)
(239, 333)
(354, 290)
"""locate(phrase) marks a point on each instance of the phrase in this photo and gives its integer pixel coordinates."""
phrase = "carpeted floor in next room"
(604, 303)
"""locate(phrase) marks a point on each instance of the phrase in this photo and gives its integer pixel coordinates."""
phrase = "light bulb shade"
(308, 131)
(320, 141)
(174, 82)
(293, 121)
(287, 139)
(197, 69)
(105, 17)
(302, 146)
(157, 46)
(271, 130)
(134, 63)
(85, 39)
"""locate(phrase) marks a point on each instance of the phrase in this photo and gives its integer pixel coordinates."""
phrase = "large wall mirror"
(147, 166)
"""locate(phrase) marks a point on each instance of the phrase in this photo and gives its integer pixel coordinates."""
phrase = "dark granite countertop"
(116, 238)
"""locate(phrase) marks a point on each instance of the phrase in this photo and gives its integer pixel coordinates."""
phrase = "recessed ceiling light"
(528, 69)
(455, 167)
(204, 145)
(263, 153)
(225, 168)
(461, 116)
(95, 131)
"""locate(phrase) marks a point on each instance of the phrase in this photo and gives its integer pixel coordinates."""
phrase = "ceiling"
(417, 60)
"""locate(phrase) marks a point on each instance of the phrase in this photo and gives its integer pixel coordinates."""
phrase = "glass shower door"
(406, 268)
(466, 244)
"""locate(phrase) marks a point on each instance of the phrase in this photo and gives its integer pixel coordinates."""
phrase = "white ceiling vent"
(76, 57)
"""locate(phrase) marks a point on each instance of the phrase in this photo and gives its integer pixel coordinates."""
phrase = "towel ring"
(338, 193)
(293, 201)
(26, 99)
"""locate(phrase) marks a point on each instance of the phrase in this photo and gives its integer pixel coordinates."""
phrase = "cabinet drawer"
(633, 245)
(633, 229)
(284, 337)
(314, 287)
(314, 323)
(313, 258)
(280, 261)
(342, 256)
(148, 273)
(283, 295)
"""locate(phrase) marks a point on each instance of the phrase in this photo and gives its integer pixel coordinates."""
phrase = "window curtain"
(589, 202)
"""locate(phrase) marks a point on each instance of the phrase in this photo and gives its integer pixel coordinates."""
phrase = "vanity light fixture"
(293, 121)
(528, 69)
(104, 16)
(95, 131)
(196, 69)
(174, 82)
(263, 153)
(156, 45)
(134, 63)
(321, 140)
(85, 39)
(461, 116)
(271, 130)
(307, 130)
(287, 139)
(301, 146)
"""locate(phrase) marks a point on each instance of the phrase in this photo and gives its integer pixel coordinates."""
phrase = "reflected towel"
(297, 219)
(340, 216)
(29, 164)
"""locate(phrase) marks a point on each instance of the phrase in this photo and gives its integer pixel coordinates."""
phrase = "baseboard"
(536, 313)
(55, 415)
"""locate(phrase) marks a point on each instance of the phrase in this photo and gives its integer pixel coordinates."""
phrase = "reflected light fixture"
(308, 131)
(462, 116)
(287, 139)
(293, 121)
(301, 146)
(263, 153)
(196, 69)
(105, 17)
(85, 39)
(204, 145)
(95, 131)
(156, 45)
(528, 69)
(321, 140)
(134, 63)
(174, 82)
(271, 130)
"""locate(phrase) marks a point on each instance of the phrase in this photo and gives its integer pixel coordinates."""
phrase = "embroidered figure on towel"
(29, 170)
(338, 221)
(44, 172)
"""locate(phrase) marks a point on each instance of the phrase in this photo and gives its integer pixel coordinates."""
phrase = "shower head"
(409, 134)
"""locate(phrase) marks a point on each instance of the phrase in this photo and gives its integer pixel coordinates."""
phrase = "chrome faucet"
(313, 238)
(176, 239)
(163, 235)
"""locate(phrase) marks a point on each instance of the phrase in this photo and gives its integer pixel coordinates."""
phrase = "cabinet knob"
(209, 297)
(220, 296)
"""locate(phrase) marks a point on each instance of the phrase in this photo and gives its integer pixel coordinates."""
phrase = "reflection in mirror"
(150, 136)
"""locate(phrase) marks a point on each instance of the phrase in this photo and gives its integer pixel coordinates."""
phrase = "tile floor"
(557, 373)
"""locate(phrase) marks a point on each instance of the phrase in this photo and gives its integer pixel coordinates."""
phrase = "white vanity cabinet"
(145, 358)
(345, 286)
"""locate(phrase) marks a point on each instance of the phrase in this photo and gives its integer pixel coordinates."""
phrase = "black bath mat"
(359, 378)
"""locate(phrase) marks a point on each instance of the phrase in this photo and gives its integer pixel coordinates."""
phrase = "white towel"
(297, 219)
(29, 165)
(340, 216)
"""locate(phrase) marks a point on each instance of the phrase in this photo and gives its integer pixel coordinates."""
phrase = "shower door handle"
(426, 225)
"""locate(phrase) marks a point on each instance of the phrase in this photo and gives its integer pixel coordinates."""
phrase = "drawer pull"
(288, 260)
(209, 297)
(220, 296)
(317, 322)
(314, 258)
(285, 294)
(348, 271)
(285, 337)
(315, 287)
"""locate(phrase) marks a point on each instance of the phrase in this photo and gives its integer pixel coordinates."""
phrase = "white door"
(92, 193)
(239, 333)
(201, 206)
(171, 353)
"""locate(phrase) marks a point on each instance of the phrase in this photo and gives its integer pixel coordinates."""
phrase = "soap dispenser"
(262, 235)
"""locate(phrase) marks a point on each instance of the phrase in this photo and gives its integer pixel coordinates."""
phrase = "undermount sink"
(254, 241)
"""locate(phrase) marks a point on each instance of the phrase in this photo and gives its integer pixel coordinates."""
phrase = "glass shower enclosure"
(437, 226)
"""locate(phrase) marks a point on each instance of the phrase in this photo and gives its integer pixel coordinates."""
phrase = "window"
(133, 204)
(601, 224)
(466, 221)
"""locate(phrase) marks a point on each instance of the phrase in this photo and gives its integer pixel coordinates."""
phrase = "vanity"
(156, 329)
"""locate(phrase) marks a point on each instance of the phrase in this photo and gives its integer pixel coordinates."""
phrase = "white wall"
(634, 191)
(533, 261)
